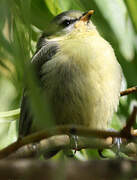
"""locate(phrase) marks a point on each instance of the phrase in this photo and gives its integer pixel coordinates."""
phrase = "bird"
(78, 70)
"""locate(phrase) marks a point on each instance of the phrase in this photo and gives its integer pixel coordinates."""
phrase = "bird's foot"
(117, 141)
(75, 140)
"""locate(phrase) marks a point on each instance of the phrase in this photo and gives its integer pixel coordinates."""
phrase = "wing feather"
(42, 55)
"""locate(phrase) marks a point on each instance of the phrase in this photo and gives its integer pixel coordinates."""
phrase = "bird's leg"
(75, 139)
(74, 142)
(117, 141)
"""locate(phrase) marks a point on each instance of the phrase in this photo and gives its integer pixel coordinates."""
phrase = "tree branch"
(95, 169)
(130, 122)
(60, 142)
(128, 91)
(74, 130)
(70, 130)
(57, 143)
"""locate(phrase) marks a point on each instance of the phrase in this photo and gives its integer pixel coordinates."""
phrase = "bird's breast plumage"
(83, 81)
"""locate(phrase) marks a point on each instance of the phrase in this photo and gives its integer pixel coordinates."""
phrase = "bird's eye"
(66, 22)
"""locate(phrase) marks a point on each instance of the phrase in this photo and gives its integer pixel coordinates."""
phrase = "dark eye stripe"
(67, 22)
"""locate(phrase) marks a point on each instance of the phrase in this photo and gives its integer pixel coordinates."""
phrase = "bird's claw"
(75, 139)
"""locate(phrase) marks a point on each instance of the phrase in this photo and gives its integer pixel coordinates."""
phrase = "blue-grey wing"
(42, 55)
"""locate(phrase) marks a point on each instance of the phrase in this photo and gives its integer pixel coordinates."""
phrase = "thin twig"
(130, 122)
(128, 91)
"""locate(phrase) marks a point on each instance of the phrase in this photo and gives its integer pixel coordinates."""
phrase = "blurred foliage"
(21, 23)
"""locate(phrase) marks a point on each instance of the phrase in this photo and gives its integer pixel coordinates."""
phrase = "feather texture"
(80, 74)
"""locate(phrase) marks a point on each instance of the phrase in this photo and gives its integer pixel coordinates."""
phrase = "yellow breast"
(91, 95)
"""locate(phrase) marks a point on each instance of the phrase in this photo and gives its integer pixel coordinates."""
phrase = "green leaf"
(10, 114)
(132, 7)
(8, 133)
(116, 123)
(2, 64)
(53, 6)
(115, 13)
(108, 153)
(58, 6)
(8, 125)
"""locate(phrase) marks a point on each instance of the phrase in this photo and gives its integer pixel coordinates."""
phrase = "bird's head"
(68, 22)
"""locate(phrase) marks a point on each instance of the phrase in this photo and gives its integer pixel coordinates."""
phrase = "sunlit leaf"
(115, 12)
(8, 133)
(132, 7)
(58, 6)
(8, 126)
(53, 6)
(10, 114)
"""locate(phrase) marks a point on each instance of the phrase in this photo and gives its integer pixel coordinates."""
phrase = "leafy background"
(21, 23)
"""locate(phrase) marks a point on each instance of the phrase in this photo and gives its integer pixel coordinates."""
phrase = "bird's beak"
(86, 16)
